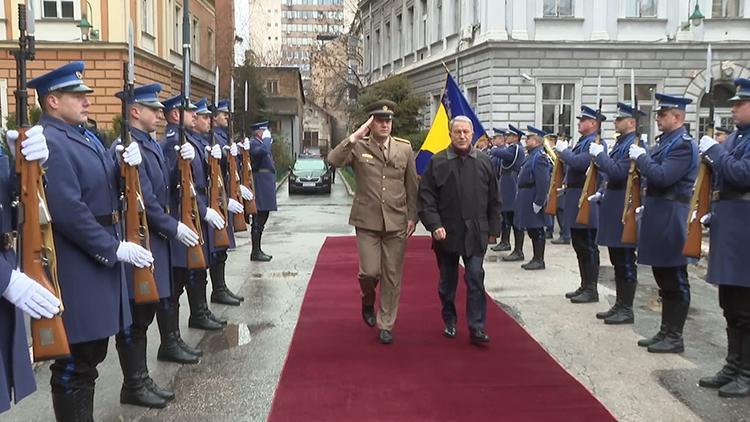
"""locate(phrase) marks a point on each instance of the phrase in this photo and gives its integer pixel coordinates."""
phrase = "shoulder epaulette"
(687, 137)
(401, 140)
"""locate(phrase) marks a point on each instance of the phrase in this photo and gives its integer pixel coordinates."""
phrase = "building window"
(387, 44)
(558, 8)
(272, 87)
(376, 52)
(366, 58)
(557, 106)
(399, 35)
(61, 9)
(722, 92)
(423, 23)
(471, 96)
(439, 19)
(409, 29)
(727, 9)
(641, 8)
(211, 48)
(644, 95)
(177, 36)
(195, 45)
(435, 104)
(147, 16)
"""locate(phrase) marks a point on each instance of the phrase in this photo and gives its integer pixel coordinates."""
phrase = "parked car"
(310, 174)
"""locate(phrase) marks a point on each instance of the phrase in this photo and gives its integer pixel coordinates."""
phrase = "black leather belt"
(575, 185)
(264, 171)
(526, 185)
(730, 196)
(668, 195)
(108, 219)
(7, 241)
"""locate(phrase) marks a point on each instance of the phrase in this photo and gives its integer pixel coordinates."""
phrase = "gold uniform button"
(383, 189)
(383, 177)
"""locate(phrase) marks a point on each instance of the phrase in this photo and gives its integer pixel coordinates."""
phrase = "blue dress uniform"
(510, 159)
(577, 161)
(83, 198)
(615, 167)
(138, 388)
(264, 177)
(16, 375)
(192, 281)
(533, 185)
(670, 171)
(729, 255)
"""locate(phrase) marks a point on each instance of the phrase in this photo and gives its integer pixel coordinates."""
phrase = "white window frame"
(58, 3)
(576, 105)
(724, 7)
(637, 4)
(557, 9)
(177, 28)
(195, 42)
(148, 12)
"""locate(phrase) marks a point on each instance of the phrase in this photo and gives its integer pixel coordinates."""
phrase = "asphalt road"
(237, 376)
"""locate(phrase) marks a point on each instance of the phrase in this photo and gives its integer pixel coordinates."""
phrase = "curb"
(341, 177)
(282, 181)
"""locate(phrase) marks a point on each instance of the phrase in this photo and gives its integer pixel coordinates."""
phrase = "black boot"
(219, 292)
(171, 348)
(740, 387)
(730, 370)
(590, 294)
(199, 313)
(625, 295)
(260, 246)
(76, 406)
(538, 243)
(517, 254)
(135, 389)
(676, 314)
(167, 395)
(656, 337)
(255, 254)
(582, 273)
(504, 244)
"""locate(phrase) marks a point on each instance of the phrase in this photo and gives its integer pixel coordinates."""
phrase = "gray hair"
(460, 118)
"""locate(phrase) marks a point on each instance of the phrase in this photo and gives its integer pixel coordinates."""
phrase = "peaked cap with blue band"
(625, 111)
(147, 95)
(66, 78)
(202, 106)
(259, 125)
(176, 102)
(589, 113)
(670, 102)
(535, 131)
(515, 131)
(743, 90)
(223, 105)
(499, 132)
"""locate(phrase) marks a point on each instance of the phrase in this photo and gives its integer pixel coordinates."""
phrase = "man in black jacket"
(460, 206)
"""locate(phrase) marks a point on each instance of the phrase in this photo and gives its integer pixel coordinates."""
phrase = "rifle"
(700, 202)
(234, 175)
(633, 185)
(251, 207)
(136, 225)
(592, 174)
(35, 242)
(217, 196)
(189, 213)
(556, 183)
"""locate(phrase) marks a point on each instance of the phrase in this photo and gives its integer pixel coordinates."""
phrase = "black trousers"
(143, 316)
(673, 283)
(624, 262)
(507, 220)
(584, 243)
(735, 302)
(184, 277)
(564, 229)
(259, 221)
(476, 303)
(78, 371)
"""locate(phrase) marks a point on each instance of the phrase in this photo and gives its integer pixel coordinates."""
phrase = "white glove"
(523, 142)
(186, 236)
(706, 143)
(34, 147)
(561, 146)
(595, 149)
(639, 213)
(30, 297)
(635, 152)
(267, 135)
(536, 208)
(134, 254)
(130, 155)
(215, 151)
(706, 219)
(595, 198)
(235, 207)
(247, 194)
(213, 218)
(246, 144)
(233, 150)
(187, 152)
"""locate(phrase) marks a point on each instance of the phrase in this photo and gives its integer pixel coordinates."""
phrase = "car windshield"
(309, 165)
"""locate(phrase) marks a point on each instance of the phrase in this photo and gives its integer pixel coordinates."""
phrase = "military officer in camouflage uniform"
(384, 210)
(729, 254)
(670, 171)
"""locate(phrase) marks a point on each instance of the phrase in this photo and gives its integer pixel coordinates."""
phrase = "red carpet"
(336, 370)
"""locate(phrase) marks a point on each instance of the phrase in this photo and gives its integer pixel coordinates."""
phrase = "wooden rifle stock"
(556, 183)
(700, 205)
(217, 195)
(251, 207)
(632, 202)
(234, 188)
(589, 188)
(190, 216)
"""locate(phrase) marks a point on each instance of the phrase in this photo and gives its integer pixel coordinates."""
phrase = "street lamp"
(85, 26)
(697, 17)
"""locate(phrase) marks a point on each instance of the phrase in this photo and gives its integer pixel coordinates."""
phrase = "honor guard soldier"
(616, 166)
(577, 161)
(264, 177)
(721, 134)
(670, 170)
(220, 292)
(83, 198)
(533, 185)
(729, 255)
(384, 210)
(193, 281)
(498, 142)
(144, 112)
(511, 157)
(19, 292)
(564, 238)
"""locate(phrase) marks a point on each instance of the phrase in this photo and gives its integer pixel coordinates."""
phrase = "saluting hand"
(361, 132)
(439, 234)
